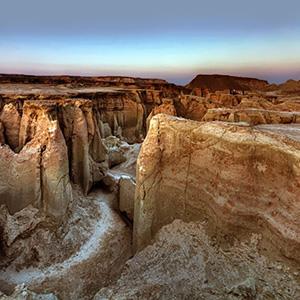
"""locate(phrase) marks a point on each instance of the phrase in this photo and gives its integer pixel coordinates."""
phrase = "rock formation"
(226, 82)
(221, 173)
(251, 116)
(10, 118)
(70, 199)
(39, 173)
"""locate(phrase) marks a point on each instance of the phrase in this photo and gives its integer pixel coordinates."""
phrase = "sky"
(169, 39)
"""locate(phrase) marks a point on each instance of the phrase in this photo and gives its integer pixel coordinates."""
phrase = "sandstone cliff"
(220, 173)
(39, 173)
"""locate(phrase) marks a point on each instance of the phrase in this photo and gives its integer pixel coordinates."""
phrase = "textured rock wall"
(252, 116)
(124, 113)
(87, 153)
(39, 173)
(80, 131)
(236, 178)
(11, 119)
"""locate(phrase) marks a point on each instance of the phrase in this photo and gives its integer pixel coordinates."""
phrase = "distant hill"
(291, 87)
(66, 79)
(223, 82)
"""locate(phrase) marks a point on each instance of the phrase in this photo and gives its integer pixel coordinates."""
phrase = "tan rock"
(88, 154)
(167, 107)
(39, 174)
(251, 116)
(11, 119)
(124, 113)
(220, 173)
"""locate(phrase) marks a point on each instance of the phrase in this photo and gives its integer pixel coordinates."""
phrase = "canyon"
(131, 188)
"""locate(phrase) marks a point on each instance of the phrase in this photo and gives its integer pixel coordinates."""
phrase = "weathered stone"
(39, 174)
(251, 116)
(167, 107)
(11, 119)
(221, 173)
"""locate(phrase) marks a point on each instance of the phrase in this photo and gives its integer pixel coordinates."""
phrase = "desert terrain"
(132, 188)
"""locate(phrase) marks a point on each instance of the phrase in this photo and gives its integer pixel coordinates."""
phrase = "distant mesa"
(226, 82)
(85, 80)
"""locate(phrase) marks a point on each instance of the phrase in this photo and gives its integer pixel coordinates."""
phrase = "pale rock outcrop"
(167, 107)
(20, 177)
(87, 153)
(38, 175)
(251, 116)
(11, 119)
(124, 115)
(56, 186)
(224, 174)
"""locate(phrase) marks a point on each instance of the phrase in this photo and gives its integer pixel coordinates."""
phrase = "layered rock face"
(11, 119)
(88, 155)
(124, 113)
(39, 173)
(252, 116)
(73, 122)
(220, 173)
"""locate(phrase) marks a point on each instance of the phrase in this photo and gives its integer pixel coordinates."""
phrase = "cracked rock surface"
(222, 173)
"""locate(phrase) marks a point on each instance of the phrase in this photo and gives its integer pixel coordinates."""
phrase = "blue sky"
(174, 40)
